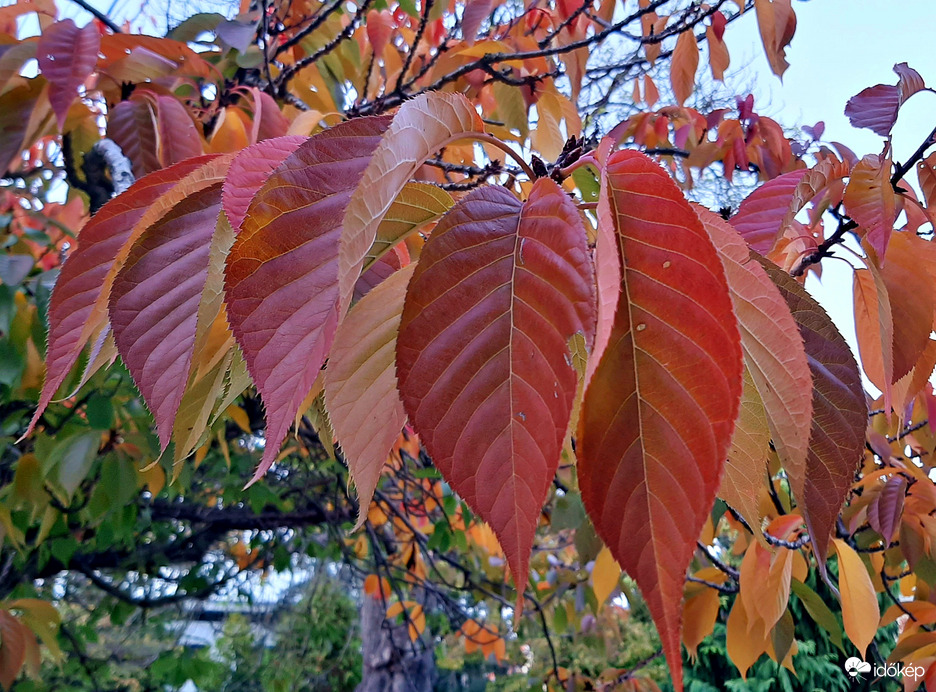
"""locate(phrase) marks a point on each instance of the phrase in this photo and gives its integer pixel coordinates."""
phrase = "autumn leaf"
(860, 611)
(776, 21)
(420, 128)
(154, 302)
(871, 202)
(876, 107)
(760, 217)
(361, 385)
(684, 66)
(606, 573)
(773, 350)
(281, 287)
(78, 305)
(665, 391)
(67, 56)
(840, 413)
(486, 375)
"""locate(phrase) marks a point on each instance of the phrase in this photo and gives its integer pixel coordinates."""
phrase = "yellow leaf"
(860, 611)
(605, 576)
(744, 647)
(239, 416)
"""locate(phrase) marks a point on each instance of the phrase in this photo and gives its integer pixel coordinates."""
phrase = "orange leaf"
(361, 386)
(684, 64)
(871, 202)
(777, 23)
(659, 411)
(486, 374)
(860, 611)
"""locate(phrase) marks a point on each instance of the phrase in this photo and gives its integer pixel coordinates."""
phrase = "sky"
(841, 47)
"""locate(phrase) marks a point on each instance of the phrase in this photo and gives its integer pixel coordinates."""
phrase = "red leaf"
(154, 302)
(885, 510)
(269, 121)
(78, 305)
(67, 56)
(178, 138)
(250, 170)
(12, 648)
(840, 413)
(876, 107)
(361, 393)
(483, 356)
(476, 11)
(871, 202)
(658, 413)
(772, 347)
(132, 125)
(282, 272)
(760, 216)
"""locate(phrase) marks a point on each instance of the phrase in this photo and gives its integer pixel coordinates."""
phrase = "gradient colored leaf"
(154, 303)
(876, 107)
(886, 509)
(746, 466)
(361, 385)
(926, 173)
(684, 66)
(420, 128)
(281, 274)
(78, 309)
(871, 202)
(719, 60)
(178, 138)
(907, 274)
(760, 217)
(250, 170)
(67, 56)
(776, 21)
(840, 413)
(483, 355)
(860, 611)
(700, 609)
(417, 205)
(17, 110)
(659, 411)
(765, 583)
(132, 125)
(874, 328)
(772, 347)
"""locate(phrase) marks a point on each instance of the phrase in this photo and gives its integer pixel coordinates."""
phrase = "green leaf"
(819, 612)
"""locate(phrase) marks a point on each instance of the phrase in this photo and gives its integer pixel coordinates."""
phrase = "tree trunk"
(392, 663)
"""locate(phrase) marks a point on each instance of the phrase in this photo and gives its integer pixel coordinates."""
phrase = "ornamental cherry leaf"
(659, 411)
(483, 357)
(67, 56)
(281, 274)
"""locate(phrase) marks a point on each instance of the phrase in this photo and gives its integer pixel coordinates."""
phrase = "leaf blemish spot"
(666, 264)
(641, 327)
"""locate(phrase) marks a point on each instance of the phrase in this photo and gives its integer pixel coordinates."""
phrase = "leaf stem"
(491, 139)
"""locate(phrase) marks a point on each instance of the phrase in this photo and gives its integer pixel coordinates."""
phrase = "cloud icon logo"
(855, 666)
